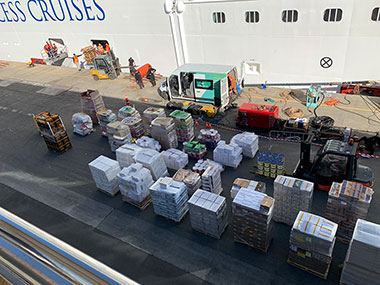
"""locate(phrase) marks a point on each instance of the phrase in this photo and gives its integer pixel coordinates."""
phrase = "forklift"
(335, 161)
(106, 66)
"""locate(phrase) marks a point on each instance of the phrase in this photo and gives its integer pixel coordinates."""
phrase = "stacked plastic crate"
(149, 115)
(106, 117)
(118, 134)
(312, 241)
(229, 155)
(240, 183)
(82, 124)
(134, 184)
(191, 179)
(209, 137)
(164, 131)
(252, 219)
(126, 154)
(92, 103)
(362, 264)
(202, 164)
(194, 149)
(212, 180)
(149, 143)
(292, 195)
(249, 142)
(169, 198)
(53, 131)
(175, 159)
(270, 164)
(154, 161)
(348, 201)
(104, 172)
(208, 213)
(184, 125)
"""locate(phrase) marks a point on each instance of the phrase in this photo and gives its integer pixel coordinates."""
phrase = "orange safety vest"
(233, 83)
(75, 58)
(46, 49)
(55, 48)
(108, 48)
(101, 49)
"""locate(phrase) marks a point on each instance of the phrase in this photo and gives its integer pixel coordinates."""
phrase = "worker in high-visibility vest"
(108, 48)
(55, 50)
(47, 50)
(76, 61)
(101, 49)
(232, 83)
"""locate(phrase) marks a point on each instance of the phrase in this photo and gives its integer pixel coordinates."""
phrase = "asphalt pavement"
(56, 193)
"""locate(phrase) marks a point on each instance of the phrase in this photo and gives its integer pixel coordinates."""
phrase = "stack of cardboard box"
(248, 184)
(92, 103)
(89, 54)
(149, 143)
(249, 142)
(209, 137)
(126, 154)
(191, 179)
(154, 161)
(128, 111)
(175, 159)
(184, 125)
(194, 149)
(203, 164)
(229, 155)
(252, 219)
(118, 134)
(135, 126)
(149, 115)
(211, 180)
(163, 130)
(105, 117)
(82, 124)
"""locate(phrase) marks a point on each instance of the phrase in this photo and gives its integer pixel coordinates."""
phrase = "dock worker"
(55, 50)
(100, 48)
(139, 79)
(76, 61)
(132, 70)
(131, 65)
(150, 76)
(47, 50)
(108, 48)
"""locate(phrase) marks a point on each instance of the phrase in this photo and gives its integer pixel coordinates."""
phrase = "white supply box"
(229, 155)
(126, 154)
(249, 142)
(154, 161)
(175, 159)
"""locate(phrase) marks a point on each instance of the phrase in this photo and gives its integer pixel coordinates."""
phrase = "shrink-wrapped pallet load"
(240, 183)
(149, 143)
(252, 219)
(175, 159)
(163, 130)
(134, 183)
(184, 125)
(126, 154)
(92, 103)
(362, 264)
(118, 134)
(347, 202)
(249, 142)
(228, 154)
(149, 115)
(135, 126)
(211, 180)
(191, 179)
(106, 117)
(82, 124)
(169, 198)
(195, 149)
(128, 111)
(104, 171)
(209, 137)
(154, 161)
(312, 241)
(203, 164)
(292, 195)
(208, 213)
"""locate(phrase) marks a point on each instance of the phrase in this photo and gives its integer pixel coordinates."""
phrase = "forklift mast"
(304, 163)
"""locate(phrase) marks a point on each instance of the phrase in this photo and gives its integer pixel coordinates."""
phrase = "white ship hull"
(267, 51)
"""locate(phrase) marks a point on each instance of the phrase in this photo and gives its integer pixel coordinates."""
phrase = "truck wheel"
(112, 76)
(96, 78)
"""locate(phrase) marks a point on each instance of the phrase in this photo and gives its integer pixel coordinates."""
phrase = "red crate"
(258, 116)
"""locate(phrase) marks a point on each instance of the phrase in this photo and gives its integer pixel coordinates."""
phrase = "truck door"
(225, 100)
(203, 89)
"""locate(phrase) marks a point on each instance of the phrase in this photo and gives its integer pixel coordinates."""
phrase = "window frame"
(377, 18)
(198, 80)
(289, 16)
(252, 17)
(219, 17)
(333, 15)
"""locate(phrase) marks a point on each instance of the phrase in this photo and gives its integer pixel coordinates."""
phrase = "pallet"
(323, 276)
(210, 235)
(252, 247)
(108, 194)
(168, 219)
(342, 240)
(142, 206)
(267, 177)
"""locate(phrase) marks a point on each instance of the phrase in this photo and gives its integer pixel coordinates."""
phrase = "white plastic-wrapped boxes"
(347, 202)
(191, 179)
(128, 111)
(208, 213)
(312, 241)
(211, 180)
(149, 143)
(228, 154)
(105, 117)
(292, 195)
(175, 159)
(149, 115)
(134, 183)
(362, 264)
(82, 124)
(163, 130)
(154, 161)
(248, 184)
(249, 142)
(126, 154)
(252, 219)
(169, 198)
(118, 134)
(104, 172)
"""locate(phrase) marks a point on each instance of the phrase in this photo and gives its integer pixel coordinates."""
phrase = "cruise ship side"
(278, 42)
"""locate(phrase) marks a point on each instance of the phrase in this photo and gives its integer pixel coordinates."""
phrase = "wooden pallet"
(252, 247)
(177, 222)
(267, 177)
(343, 240)
(210, 235)
(108, 194)
(320, 275)
(142, 206)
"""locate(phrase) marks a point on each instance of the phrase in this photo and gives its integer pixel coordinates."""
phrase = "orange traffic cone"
(208, 126)
(196, 123)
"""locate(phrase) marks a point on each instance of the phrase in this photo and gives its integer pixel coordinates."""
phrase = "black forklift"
(335, 161)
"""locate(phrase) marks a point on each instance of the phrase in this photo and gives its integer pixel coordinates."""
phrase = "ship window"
(333, 15)
(289, 16)
(204, 84)
(219, 17)
(375, 14)
(252, 16)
